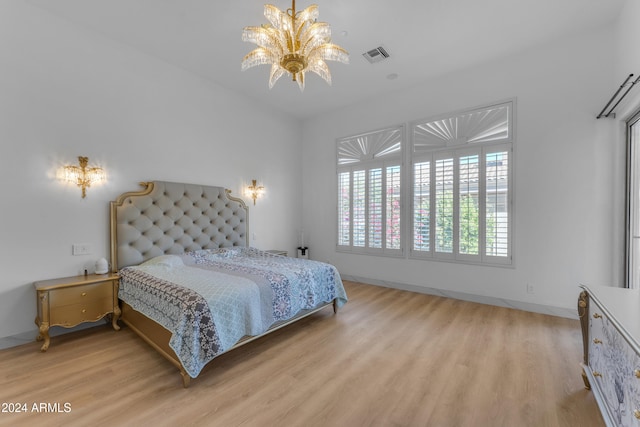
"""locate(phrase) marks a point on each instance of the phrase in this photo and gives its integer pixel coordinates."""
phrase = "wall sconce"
(254, 190)
(83, 176)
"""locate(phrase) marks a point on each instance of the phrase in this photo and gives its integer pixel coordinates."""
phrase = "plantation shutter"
(370, 192)
(460, 186)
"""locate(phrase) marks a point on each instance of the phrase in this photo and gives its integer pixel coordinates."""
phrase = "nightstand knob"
(596, 316)
(636, 413)
(84, 310)
(597, 341)
(636, 372)
(84, 294)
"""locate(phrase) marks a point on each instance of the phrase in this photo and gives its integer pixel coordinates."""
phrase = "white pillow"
(169, 261)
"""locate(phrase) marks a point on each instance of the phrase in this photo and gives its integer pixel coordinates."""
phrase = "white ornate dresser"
(610, 321)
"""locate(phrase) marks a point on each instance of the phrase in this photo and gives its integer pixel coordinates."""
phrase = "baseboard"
(500, 302)
(30, 336)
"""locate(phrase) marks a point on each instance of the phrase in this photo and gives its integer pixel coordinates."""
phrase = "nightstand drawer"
(74, 314)
(79, 294)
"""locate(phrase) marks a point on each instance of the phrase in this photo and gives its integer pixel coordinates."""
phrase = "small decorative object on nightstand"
(277, 252)
(303, 252)
(69, 301)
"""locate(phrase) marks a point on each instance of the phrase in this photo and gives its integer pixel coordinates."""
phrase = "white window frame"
(632, 270)
(479, 131)
(367, 161)
(456, 148)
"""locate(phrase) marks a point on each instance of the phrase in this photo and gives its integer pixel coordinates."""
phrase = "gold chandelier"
(293, 43)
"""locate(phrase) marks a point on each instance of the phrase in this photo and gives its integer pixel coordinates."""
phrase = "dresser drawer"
(634, 389)
(74, 314)
(601, 351)
(613, 365)
(79, 294)
(599, 345)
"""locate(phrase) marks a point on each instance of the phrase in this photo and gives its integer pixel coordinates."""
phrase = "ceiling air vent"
(376, 55)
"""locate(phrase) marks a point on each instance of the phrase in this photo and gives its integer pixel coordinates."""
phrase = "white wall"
(564, 173)
(67, 92)
(627, 61)
(627, 41)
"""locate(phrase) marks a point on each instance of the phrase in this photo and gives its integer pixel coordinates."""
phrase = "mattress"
(210, 299)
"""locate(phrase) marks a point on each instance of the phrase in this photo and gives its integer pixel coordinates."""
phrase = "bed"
(190, 284)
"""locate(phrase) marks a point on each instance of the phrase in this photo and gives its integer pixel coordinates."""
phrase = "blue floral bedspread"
(210, 299)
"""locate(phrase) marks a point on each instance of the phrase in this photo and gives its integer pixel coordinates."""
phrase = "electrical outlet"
(530, 289)
(81, 249)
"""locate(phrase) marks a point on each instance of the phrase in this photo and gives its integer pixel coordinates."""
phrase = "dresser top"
(622, 307)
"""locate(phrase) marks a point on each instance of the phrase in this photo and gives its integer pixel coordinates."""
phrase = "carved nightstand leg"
(39, 337)
(44, 334)
(335, 306)
(114, 319)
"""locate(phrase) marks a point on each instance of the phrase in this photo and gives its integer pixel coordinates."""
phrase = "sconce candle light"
(254, 190)
(83, 176)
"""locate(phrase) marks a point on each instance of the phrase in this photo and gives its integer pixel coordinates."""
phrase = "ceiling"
(425, 38)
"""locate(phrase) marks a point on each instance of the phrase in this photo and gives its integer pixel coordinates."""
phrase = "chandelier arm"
(305, 24)
(298, 33)
(320, 68)
(321, 36)
(275, 16)
(259, 56)
(300, 80)
(309, 14)
(266, 37)
(290, 42)
(324, 52)
(275, 42)
(276, 72)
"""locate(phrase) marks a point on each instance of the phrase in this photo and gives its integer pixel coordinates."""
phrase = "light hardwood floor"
(388, 358)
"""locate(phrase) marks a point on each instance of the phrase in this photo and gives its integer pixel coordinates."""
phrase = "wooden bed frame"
(122, 254)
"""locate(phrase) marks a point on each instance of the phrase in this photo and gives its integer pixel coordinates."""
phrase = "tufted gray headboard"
(173, 218)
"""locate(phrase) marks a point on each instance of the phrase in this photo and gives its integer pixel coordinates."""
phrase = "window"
(458, 182)
(461, 186)
(633, 203)
(370, 192)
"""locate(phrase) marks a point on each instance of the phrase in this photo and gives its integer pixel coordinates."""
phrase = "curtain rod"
(602, 114)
